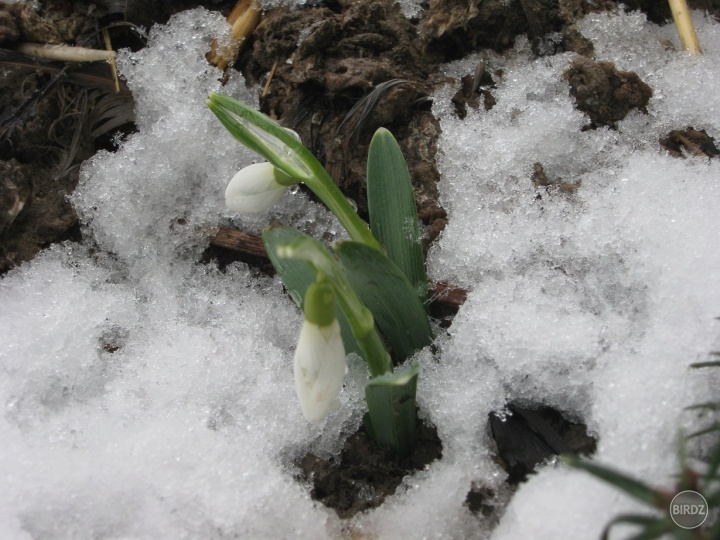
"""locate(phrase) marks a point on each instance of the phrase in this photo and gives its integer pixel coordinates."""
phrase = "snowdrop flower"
(320, 355)
(256, 188)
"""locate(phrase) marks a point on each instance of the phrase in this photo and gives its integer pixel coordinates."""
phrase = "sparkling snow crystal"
(149, 396)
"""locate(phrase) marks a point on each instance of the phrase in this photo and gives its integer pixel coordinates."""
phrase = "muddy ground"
(340, 69)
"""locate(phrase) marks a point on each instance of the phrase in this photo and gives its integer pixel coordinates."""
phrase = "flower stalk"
(360, 319)
(274, 143)
(374, 291)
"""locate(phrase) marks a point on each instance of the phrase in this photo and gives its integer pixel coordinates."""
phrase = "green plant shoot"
(365, 293)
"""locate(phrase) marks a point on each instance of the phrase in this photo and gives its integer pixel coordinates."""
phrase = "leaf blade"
(386, 292)
(391, 418)
(392, 209)
(632, 487)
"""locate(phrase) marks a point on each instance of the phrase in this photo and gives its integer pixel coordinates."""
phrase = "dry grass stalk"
(113, 67)
(244, 17)
(65, 53)
(269, 80)
(685, 26)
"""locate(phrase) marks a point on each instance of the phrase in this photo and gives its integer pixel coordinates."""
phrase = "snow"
(147, 396)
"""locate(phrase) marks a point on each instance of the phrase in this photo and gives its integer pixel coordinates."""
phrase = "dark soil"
(365, 474)
(56, 115)
(690, 141)
(528, 436)
(346, 54)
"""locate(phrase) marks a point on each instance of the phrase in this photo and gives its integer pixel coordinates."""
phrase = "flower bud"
(319, 363)
(254, 189)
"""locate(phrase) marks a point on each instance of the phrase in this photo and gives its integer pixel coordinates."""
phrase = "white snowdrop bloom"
(319, 363)
(319, 369)
(254, 189)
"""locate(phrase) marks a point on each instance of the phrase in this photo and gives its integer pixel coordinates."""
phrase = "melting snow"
(147, 396)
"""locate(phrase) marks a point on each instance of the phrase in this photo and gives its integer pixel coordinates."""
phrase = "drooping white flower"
(319, 369)
(254, 189)
(319, 363)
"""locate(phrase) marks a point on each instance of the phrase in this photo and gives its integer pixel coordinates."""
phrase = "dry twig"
(685, 26)
(64, 53)
(244, 17)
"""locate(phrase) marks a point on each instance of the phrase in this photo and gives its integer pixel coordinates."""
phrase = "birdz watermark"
(688, 509)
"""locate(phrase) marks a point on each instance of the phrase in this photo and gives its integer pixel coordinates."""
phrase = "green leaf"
(632, 487)
(653, 527)
(297, 276)
(391, 416)
(385, 290)
(714, 464)
(713, 499)
(715, 531)
(393, 214)
(705, 364)
(711, 429)
(710, 405)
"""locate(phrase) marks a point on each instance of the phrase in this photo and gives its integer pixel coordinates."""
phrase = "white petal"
(319, 369)
(254, 189)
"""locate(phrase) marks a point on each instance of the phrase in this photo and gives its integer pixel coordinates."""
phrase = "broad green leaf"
(391, 416)
(297, 276)
(632, 487)
(385, 290)
(306, 248)
(393, 215)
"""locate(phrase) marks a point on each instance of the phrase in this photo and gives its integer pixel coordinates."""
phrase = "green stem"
(359, 317)
(274, 143)
(373, 349)
(324, 187)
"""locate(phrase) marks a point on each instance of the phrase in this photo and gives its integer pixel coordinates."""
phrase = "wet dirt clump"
(473, 88)
(455, 28)
(605, 94)
(365, 473)
(690, 141)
